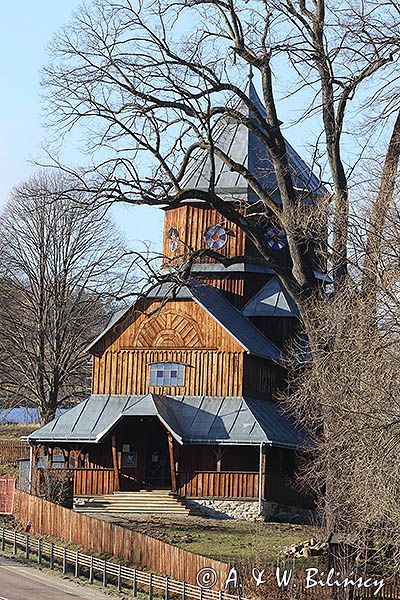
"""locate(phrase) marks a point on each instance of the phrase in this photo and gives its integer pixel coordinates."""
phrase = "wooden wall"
(227, 458)
(192, 222)
(237, 288)
(232, 287)
(11, 451)
(282, 483)
(181, 331)
(279, 330)
(262, 379)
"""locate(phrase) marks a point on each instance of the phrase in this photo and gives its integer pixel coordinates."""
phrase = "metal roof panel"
(246, 148)
(233, 321)
(191, 419)
(271, 301)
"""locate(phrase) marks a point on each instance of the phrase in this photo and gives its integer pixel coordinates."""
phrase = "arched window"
(167, 374)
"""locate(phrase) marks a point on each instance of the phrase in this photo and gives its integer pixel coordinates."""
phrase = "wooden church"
(184, 384)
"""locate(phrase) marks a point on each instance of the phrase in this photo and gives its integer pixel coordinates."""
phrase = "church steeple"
(196, 226)
(244, 146)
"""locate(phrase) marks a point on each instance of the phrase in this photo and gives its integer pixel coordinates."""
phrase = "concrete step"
(157, 502)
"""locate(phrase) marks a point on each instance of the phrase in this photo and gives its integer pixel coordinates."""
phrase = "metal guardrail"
(109, 573)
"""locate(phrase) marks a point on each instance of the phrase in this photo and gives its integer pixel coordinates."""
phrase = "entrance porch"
(192, 447)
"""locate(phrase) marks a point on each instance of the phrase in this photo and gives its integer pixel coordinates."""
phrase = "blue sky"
(26, 28)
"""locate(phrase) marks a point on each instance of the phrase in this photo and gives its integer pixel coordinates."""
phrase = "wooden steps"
(154, 502)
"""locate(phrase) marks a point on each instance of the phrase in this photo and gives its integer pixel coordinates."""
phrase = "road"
(24, 582)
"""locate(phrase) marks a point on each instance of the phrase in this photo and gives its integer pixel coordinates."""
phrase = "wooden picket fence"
(106, 538)
(11, 451)
(109, 573)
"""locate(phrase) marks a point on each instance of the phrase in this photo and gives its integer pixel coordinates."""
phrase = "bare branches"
(158, 85)
(378, 218)
(57, 261)
(156, 91)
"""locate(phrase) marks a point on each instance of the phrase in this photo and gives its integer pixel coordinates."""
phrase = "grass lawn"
(15, 431)
(230, 541)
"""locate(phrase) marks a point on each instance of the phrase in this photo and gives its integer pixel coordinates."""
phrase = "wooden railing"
(88, 482)
(223, 484)
(74, 562)
(94, 482)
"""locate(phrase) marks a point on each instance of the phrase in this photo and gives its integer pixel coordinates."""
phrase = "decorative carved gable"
(168, 329)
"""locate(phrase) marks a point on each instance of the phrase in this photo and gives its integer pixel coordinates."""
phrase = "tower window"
(167, 374)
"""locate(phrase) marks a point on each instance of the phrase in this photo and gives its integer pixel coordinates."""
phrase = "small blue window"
(167, 374)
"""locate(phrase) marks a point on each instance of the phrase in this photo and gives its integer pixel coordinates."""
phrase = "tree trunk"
(379, 214)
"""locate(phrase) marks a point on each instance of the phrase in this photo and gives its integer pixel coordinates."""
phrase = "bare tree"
(156, 92)
(154, 82)
(59, 258)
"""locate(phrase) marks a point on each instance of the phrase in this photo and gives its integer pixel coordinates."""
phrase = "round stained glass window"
(215, 237)
(276, 238)
(173, 238)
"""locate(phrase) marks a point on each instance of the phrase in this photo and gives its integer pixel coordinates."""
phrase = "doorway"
(143, 454)
(157, 465)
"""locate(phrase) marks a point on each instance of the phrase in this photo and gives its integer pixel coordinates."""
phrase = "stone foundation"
(248, 510)
(226, 509)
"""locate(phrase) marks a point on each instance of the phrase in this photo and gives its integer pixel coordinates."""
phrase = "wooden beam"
(77, 454)
(49, 457)
(33, 485)
(115, 461)
(263, 471)
(171, 448)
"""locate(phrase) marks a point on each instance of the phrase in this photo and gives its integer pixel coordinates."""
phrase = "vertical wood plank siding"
(11, 451)
(207, 484)
(134, 366)
(103, 537)
(192, 222)
(88, 482)
(180, 332)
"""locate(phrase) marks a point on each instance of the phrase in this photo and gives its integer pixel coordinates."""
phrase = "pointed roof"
(243, 146)
(271, 301)
(221, 310)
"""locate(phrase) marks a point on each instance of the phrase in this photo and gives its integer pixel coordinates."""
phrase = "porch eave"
(255, 443)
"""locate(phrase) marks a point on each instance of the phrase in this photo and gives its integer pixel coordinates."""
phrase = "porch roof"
(190, 419)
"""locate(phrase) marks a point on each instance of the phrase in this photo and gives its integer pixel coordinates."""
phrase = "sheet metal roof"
(271, 301)
(222, 311)
(190, 419)
(116, 317)
(234, 322)
(245, 148)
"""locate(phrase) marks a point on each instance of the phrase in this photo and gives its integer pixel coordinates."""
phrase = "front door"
(157, 467)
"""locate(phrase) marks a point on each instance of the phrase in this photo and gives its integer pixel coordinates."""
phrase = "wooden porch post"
(33, 452)
(35, 472)
(262, 476)
(66, 454)
(76, 458)
(49, 457)
(115, 461)
(171, 448)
